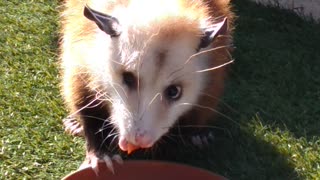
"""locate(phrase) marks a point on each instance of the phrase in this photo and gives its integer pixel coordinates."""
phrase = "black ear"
(106, 23)
(210, 33)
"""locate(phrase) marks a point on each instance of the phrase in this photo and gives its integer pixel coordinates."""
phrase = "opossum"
(132, 69)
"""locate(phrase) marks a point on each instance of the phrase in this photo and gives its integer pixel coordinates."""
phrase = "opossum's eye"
(129, 80)
(173, 92)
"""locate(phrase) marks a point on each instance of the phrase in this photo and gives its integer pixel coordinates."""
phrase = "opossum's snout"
(142, 132)
(142, 138)
(136, 139)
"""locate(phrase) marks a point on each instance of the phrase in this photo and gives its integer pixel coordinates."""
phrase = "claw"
(117, 158)
(72, 126)
(202, 141)
(93, 161)
(109, 164)
(196, 140)
(210, 136)
(94, 165)
(205, 141)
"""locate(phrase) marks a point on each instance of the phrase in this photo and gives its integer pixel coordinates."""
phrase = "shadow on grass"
(235, 153)
(277, 69)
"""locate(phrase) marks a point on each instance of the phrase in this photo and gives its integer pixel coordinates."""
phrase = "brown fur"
(78, 34)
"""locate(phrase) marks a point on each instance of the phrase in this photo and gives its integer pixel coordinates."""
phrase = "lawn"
(272, 98)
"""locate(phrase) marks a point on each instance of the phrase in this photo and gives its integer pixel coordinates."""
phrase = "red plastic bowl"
(145, 170)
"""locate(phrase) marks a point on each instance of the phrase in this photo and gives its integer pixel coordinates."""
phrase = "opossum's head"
(151, 70)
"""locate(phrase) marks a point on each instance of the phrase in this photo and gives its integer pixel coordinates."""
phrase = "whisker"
(117, 84)
(202, 126)
(112, 84)
(110, 135)
(216, 67)
(93, 117)
(180, 134)
(101, 131)
(95, 105)
(224, 36)
(86, 106)
(141, 63)
(151, 101)
(169, 136)
(114, 138)
(107, 123)
(211, 109)
(121, 99)
(195, 55)
(205, 70)
(205, 51)
(221, 101)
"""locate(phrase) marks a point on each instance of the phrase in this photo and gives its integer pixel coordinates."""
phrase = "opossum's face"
(155, 82)
(152, 78)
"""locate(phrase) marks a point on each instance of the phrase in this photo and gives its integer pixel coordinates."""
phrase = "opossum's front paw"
(93, 161)
(202, 140)
(72, 126)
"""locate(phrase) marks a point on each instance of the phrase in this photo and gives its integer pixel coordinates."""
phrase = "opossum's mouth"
(130, 147)
(127, 146)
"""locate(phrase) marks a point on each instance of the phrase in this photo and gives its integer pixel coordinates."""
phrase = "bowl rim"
(158, 162)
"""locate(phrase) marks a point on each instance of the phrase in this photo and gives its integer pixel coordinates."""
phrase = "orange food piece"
(131, 148)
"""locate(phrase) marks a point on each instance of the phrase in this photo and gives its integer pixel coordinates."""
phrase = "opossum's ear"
(106, 23)
(210, 33)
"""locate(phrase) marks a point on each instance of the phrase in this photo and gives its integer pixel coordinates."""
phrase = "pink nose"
(143, 139)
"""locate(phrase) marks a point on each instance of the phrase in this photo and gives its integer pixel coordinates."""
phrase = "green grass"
(273, 89)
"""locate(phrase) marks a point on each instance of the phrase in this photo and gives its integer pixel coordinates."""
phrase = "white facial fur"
(146, 108)
(139, 51)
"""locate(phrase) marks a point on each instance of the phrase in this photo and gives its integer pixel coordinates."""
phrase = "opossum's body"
(132, 68)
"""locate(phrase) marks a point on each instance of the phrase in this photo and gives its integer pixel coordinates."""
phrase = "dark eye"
(129, 80)
(173, 92)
